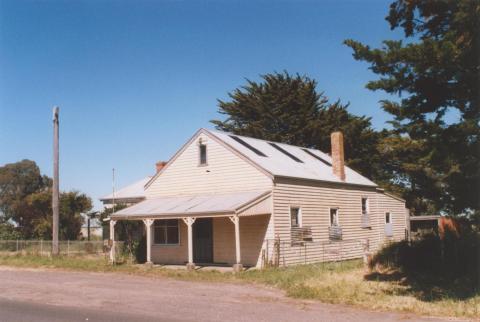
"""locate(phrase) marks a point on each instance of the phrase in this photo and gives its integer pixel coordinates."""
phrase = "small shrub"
(433, 267)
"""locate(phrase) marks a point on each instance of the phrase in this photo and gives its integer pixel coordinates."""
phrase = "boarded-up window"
(166, 232)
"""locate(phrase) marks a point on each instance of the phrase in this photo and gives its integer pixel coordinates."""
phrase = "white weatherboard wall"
(316, 198)
(225, 172)
(398, 215)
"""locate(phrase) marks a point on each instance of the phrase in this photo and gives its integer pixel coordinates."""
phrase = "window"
(364, 206)
(295, 220)
(365, 216)
(166, 232)
(388, 224)
(299, 234)
(334, 217)
(202, 148)
(388, 218)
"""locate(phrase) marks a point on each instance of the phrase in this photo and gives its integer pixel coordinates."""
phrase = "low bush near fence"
(434, 267)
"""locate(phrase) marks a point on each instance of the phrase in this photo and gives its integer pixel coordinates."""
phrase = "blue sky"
(135, 79)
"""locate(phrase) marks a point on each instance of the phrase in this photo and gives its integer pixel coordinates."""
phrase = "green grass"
(342, 283)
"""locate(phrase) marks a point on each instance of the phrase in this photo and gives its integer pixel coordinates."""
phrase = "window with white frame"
(364, 205)
(166, 232)
(295, 217)
(202, 154)
(388, 218)
(334, 217)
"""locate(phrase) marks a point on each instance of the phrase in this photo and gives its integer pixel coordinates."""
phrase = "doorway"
(203, 240)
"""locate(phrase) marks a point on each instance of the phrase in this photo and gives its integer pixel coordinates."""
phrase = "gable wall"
(315, 201)
(225, 172)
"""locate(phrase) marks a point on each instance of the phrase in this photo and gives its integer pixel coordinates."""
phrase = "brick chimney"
(159, 165)
(338, 157)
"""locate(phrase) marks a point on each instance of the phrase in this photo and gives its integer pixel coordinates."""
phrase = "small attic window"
(291, 156)
(202, 154)
(248, 146)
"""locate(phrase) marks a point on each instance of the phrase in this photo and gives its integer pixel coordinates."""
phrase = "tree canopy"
(287, 108)
(26, 201)
(17, 181)
(434, 159)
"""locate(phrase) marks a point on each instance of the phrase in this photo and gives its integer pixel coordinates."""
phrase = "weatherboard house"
(234, 200)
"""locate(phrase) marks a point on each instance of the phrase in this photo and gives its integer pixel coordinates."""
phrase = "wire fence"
(285, 252)
(275, 252)
(66, 247)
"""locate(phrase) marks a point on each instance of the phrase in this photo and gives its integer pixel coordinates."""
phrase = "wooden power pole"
(55, 190)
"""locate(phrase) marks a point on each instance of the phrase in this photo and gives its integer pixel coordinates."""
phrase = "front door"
(203, 240)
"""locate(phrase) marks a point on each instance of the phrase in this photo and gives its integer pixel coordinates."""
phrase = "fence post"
(267, 254)
(323, 252)
(277, 252)
(305, 252)
(342, 245)
(68, 247)
(41, 247)
(17, 245)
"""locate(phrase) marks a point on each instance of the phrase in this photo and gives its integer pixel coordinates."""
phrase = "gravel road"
(54, 295)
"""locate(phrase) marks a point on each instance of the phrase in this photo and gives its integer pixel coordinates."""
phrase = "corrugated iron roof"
(165, 207)
(133, 191)
(280, 163)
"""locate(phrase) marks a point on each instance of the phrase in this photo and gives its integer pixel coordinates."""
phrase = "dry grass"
(348, 283)
(343, 283)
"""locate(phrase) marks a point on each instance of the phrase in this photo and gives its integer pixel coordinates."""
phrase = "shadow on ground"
(431, 269)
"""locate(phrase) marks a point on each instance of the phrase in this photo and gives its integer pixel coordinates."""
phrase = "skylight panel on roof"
(317, 157)
(248, 146)
(291, 156)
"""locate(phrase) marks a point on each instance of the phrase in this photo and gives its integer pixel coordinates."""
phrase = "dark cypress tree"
(287, 108)
(434, 159)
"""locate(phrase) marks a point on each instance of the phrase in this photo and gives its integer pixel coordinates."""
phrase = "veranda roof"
(133, 191)
(241, 203)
